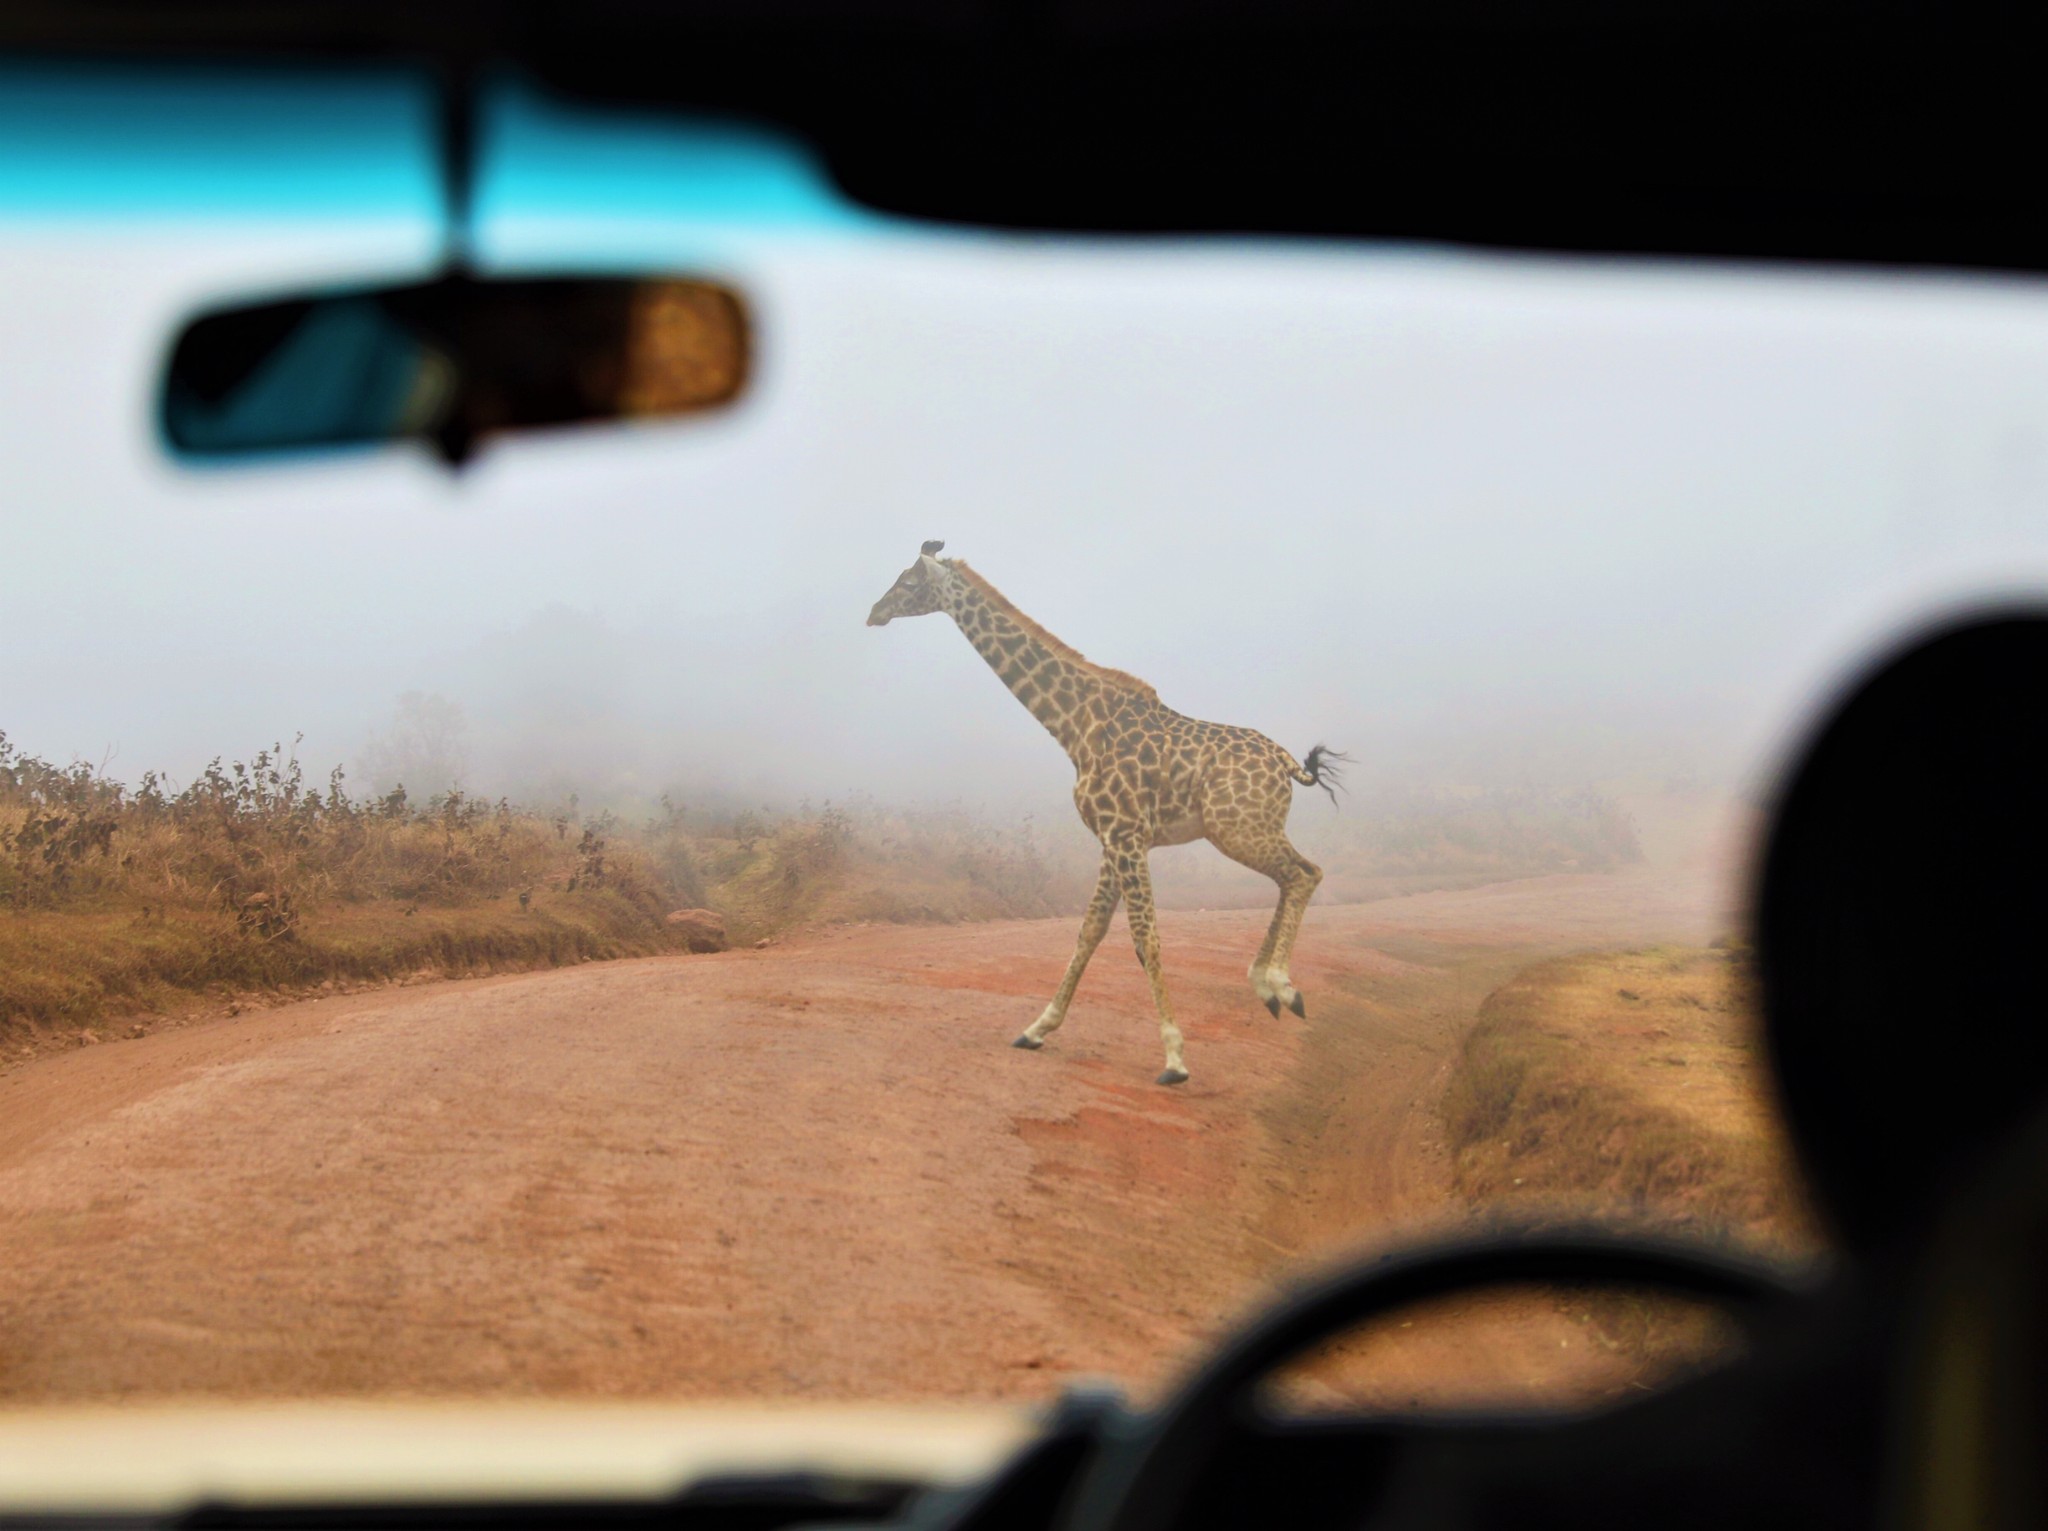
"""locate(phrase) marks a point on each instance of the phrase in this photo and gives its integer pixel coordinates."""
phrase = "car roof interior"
(1800, 130)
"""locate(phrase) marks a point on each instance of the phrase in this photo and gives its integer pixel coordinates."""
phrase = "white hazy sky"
(1472, 519)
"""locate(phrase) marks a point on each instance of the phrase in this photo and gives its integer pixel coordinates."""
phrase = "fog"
(1474, 520)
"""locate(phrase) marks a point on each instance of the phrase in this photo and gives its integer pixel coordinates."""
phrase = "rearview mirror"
(450, 362)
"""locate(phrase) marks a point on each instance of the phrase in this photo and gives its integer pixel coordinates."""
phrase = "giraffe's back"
(1182, 778)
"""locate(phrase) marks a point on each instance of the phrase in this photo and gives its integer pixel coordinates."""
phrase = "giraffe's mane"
(1004, 604)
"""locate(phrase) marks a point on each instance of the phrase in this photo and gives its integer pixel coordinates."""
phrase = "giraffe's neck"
(1060, 689)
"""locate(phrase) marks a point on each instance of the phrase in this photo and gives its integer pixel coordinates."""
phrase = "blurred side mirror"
(450, 362)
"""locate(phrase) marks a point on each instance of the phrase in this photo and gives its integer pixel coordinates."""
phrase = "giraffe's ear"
(931, 548)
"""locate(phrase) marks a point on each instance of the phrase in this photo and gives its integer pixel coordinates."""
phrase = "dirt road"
(815, 1170)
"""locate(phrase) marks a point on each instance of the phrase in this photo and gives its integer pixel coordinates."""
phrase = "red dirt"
(815, 1170)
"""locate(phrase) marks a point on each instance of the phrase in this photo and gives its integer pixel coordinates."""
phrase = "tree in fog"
(425, 748)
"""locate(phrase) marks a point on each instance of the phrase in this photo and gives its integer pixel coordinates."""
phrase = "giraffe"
(1144, 776)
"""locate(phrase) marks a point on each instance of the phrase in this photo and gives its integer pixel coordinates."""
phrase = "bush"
(250, 879)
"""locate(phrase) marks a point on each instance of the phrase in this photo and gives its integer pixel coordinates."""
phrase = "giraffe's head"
(918, 591)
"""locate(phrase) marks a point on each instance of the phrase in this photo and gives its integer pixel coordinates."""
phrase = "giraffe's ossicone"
(1144, 775)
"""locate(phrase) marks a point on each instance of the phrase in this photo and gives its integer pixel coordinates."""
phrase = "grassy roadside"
(66, 976)
(129, 906)
(124, 907)
(1629, 1087)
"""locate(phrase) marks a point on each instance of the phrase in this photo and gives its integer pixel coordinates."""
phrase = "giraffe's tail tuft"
(1322, 769)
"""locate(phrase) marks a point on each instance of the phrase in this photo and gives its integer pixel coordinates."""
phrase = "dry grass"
(117, 904)
(856, 862)
(65, 971)
(1627, 1085)
(1630, 1088)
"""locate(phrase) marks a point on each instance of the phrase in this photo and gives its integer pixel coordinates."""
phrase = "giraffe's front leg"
(1135, 877)
(1094, 925)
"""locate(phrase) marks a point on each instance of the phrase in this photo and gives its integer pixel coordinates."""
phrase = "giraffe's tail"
(1323, 769)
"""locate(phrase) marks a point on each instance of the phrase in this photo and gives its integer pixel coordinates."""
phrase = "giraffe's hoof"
(1028, 1044)
(1298, 1005)
(1273, 1004)
(1172, 1076)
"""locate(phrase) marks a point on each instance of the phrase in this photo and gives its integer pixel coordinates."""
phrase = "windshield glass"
(596, 926)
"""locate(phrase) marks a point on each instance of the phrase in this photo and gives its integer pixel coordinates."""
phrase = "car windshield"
(595, 926)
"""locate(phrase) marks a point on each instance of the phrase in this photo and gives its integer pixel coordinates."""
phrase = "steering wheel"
(1142, 1477)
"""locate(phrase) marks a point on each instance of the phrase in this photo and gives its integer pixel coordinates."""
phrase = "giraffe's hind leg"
(1297, 887)
(1296, 876)
(1094, 925)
